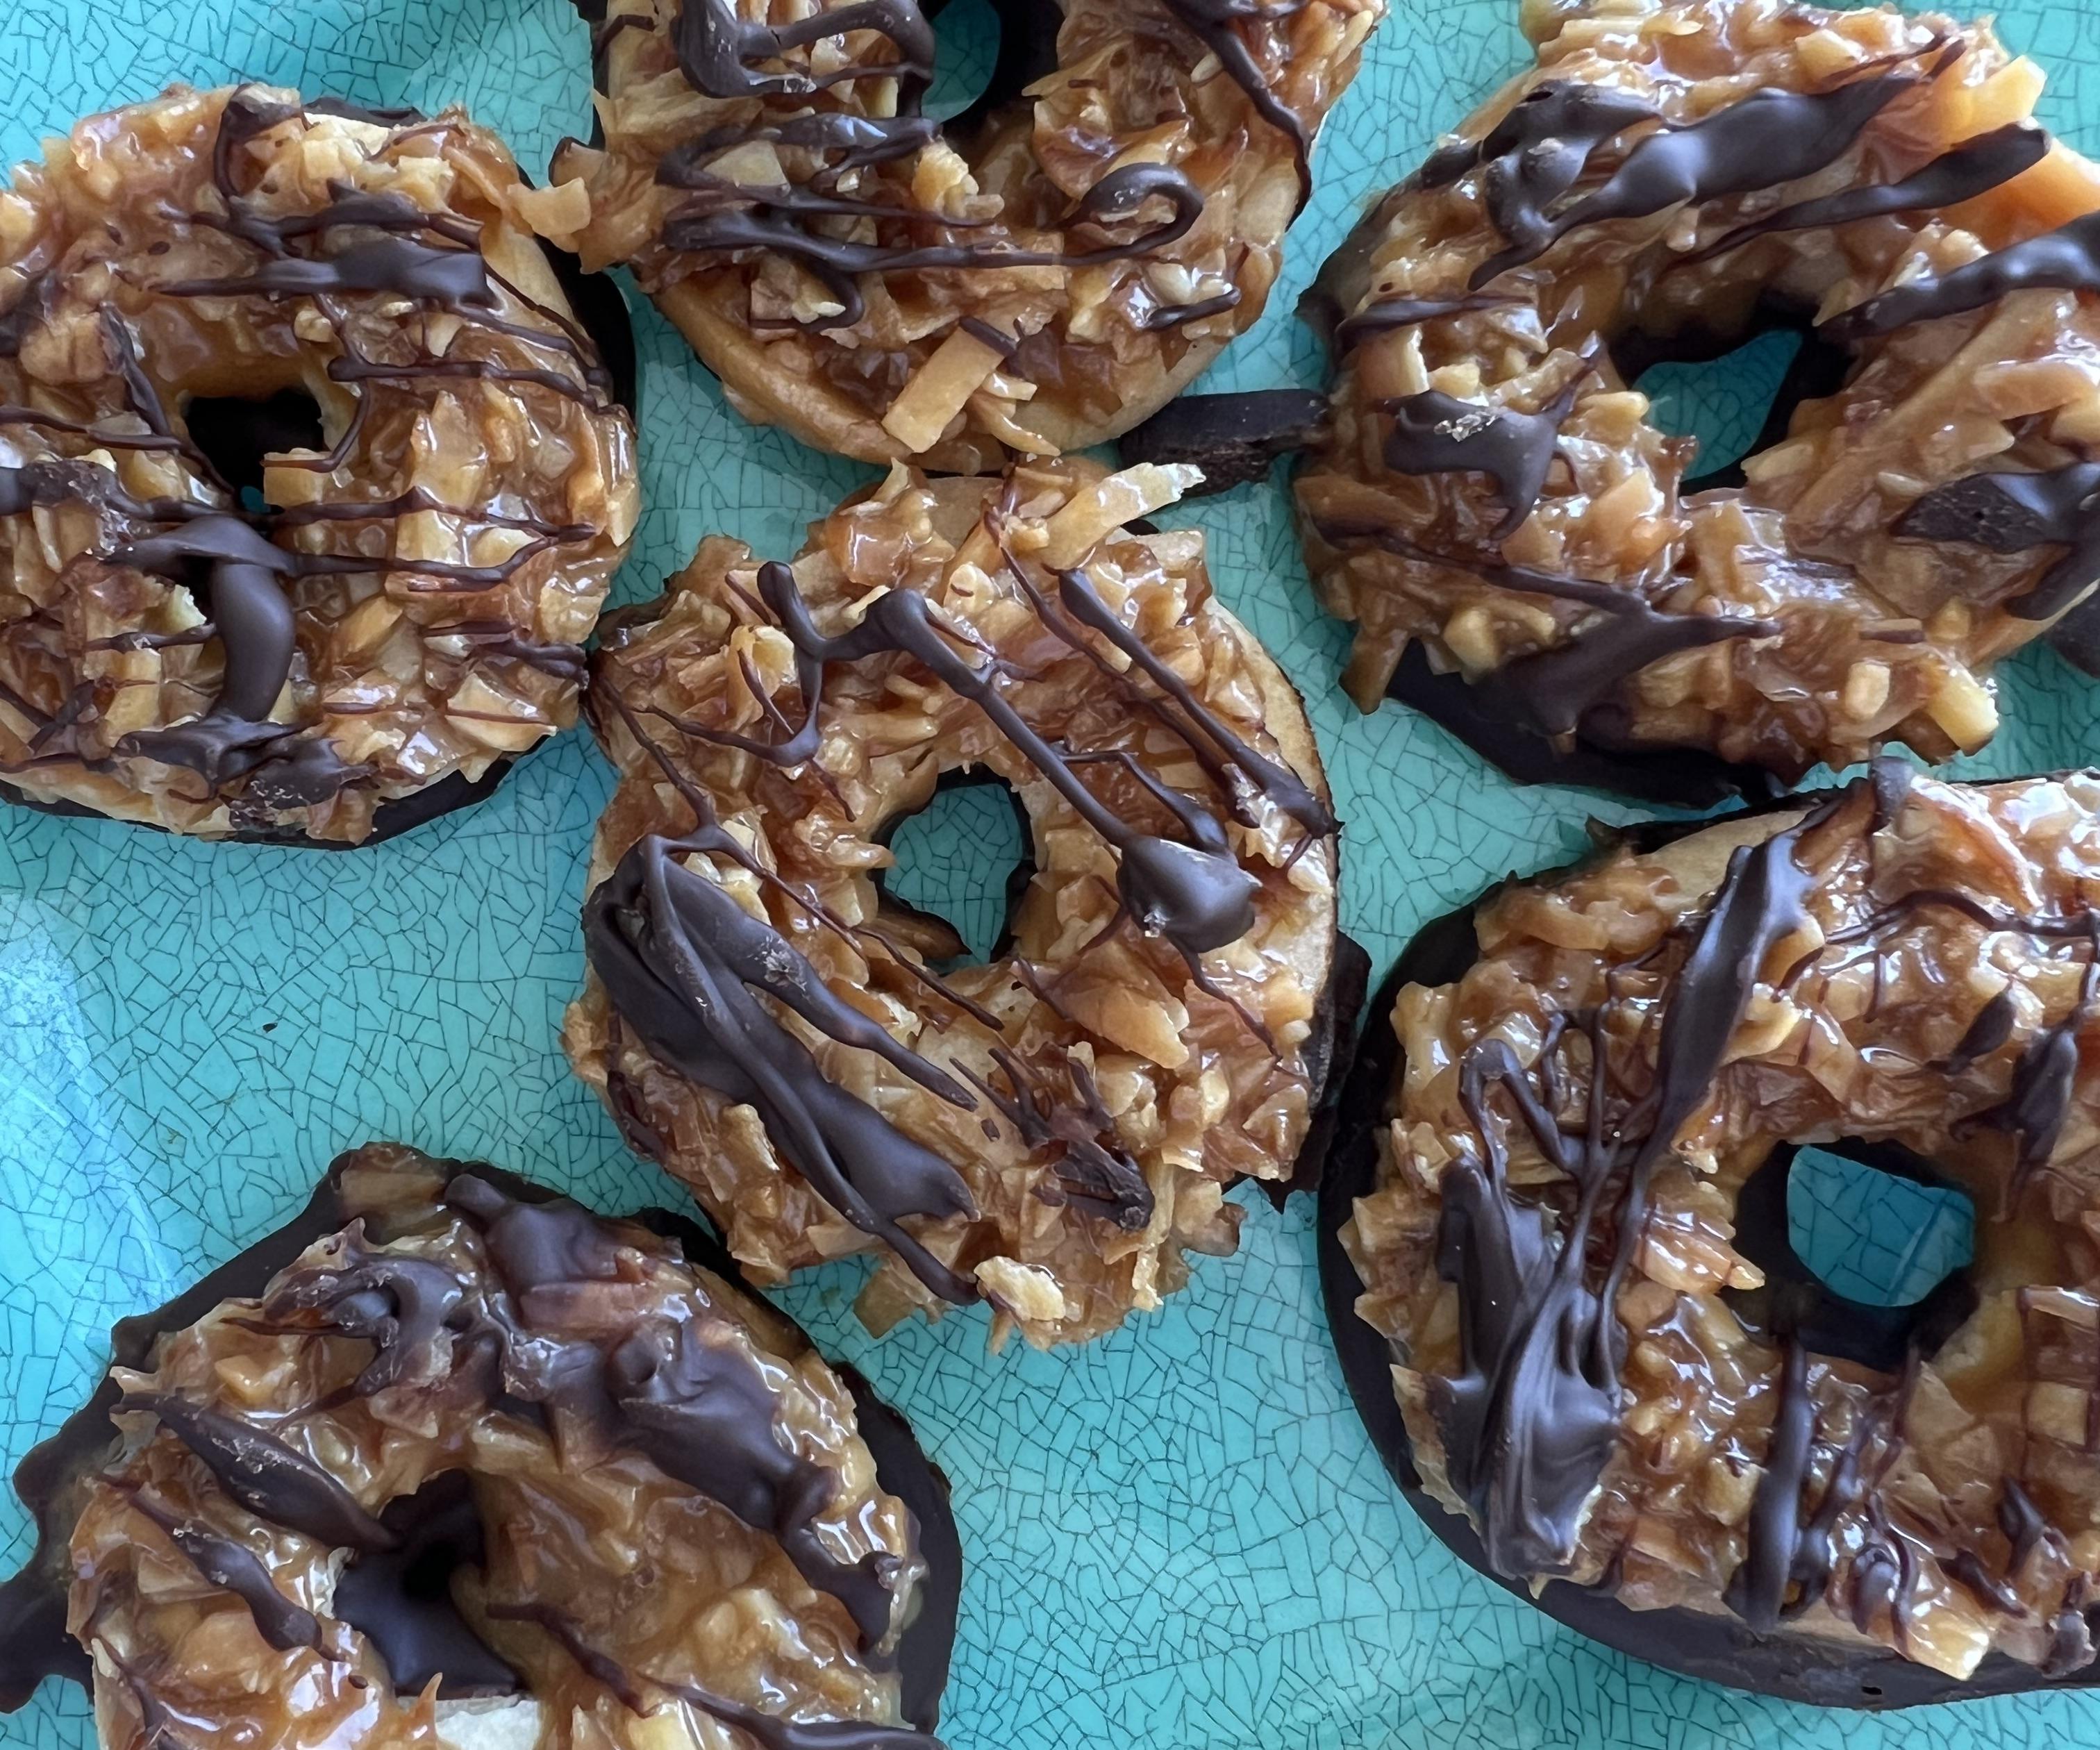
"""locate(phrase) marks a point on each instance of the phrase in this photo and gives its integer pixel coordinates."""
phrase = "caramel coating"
(662, 1580)
(1146, 1094)
(1934, 987)
(1101, 344)
(470, 452)
(1852, 635)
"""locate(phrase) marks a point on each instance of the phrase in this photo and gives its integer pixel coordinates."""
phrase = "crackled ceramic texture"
(1178, 1537)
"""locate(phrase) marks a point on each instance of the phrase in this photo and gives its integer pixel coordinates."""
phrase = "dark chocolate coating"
(390, 820)
(2010, 512)
(401, 1601)
(1711, 1646)
(2076, 637)
(1818, 369)
(1673, 778)
(396, 1589)
(1233, 438)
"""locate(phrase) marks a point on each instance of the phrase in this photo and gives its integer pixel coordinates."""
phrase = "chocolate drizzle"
(1963, 172)
(1811, 1481)
(699, 1410)
(717, 48)
(1211, 22)
(1775, 1553)
(1532, 1414)
(1534, 155)
(2066, 259)
(257, 631)
(769, 222)
(1435, 432)
(261, 765)
(1383, 315)
(678, 954)
(1760, 141)
(2010, 512)
(270, 1479)
(2044, 1082)
(680, 959)
(232, 1566)
(724, 56)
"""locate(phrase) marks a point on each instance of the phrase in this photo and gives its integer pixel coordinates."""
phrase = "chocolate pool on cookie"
(453, 1461)
(1032, 276)
(1560, 1271)
(1054, 1130)
(1526, 555)
(312, 480)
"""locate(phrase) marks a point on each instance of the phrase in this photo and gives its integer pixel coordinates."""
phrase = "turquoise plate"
(1179, 1536)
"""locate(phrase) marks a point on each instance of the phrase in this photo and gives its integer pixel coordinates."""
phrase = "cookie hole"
(963, 864)
(1724, 403)
(988, 53)
(1873, 1237)
(237, 431)
(967, 35)
(1861, 1222)
(1735, 392)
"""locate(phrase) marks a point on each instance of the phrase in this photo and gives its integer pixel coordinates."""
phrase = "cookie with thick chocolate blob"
(1556, 1249)
(449, 1455)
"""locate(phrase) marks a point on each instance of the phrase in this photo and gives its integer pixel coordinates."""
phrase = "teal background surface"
(1179, 1536)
